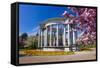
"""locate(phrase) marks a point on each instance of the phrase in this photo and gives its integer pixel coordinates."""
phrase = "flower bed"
(45, 53)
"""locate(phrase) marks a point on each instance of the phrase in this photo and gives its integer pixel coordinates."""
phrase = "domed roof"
(51, 21)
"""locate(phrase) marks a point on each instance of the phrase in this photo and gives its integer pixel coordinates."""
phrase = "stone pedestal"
(52, 49)
(74, 48)
(66, 49)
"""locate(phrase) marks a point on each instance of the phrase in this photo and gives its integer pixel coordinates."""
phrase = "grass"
(45, 53)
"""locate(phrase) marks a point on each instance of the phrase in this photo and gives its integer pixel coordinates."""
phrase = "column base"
(60, 49)
(74, 48)
(52, 49)
(66, 49)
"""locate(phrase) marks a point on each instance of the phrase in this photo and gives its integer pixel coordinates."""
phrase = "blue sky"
(30, 16)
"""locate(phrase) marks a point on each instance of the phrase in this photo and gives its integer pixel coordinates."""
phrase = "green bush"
(87, 46)
(85, 49)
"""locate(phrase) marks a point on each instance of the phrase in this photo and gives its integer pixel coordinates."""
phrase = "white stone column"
(45, 38)
(64, 36)
(57, 35)
(74, 36)
(69, 41)
(44, 41)
(50, 35)
(41, 38)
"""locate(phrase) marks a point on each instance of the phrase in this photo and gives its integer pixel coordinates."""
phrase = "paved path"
(85, 55)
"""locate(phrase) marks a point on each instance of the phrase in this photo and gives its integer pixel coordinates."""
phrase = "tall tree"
(24, 36)
(22, 39)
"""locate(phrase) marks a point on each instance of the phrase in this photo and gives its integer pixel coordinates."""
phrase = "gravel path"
(84, 55)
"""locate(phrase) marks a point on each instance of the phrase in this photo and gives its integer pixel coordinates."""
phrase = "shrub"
(85, 49)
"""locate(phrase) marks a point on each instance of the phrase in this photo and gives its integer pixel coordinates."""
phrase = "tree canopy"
(86, 19)
(24, 36)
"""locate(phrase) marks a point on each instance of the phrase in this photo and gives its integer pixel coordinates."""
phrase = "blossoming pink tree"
(86, 19)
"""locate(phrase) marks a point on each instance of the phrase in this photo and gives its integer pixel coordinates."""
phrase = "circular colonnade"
(57, 33)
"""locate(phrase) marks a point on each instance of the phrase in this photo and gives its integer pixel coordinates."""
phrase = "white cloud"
(34, 31)
(32, 34)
